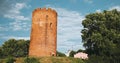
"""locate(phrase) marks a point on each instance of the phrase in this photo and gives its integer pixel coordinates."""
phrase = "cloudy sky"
(15, 18)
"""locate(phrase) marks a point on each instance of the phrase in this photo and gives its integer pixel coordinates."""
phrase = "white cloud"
(18, 6)
(98, 10)
(6, 5)
(69, 27)
(115, 7)
(19, 25)
(15, 37)
(15, 14)
(16, 17)
(88, 1)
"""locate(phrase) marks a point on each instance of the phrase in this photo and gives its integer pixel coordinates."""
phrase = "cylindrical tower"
(43, 33)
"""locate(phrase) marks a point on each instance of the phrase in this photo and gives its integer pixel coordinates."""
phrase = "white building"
(81, 55)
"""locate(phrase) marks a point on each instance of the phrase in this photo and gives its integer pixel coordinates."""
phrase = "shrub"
(1, 60)
(9, 60)
(76, 60)
(72, 53)
(101, 59)
(31, 60)
(59, 54)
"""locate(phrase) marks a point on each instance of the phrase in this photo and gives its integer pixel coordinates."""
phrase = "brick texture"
(43, 33)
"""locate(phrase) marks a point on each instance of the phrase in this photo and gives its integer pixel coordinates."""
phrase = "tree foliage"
(59, 54)
(101, 33)
(80, 50)
(15, 48)
(72, 53)
(31, 60)
(9, 60)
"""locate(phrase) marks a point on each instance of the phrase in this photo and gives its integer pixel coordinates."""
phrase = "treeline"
(14, 48)
(101, 36)
(17, 48)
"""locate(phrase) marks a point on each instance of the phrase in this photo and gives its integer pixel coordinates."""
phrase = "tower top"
(45, 9)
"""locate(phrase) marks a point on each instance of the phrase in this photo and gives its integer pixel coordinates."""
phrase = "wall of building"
(43, 32)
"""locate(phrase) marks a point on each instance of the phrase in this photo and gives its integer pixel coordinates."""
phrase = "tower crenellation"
(45, 9)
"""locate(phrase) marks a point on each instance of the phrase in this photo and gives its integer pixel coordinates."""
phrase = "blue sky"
(15, 18)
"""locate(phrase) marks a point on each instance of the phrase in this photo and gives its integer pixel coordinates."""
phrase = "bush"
(102, 59)
(59, 54)
(72, 53)
(15, 48)
(1, 60)
(76, 60)
(31, 60)
(9, 60)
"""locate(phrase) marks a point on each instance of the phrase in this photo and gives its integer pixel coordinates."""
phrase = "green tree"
(59, 54)
(1, 53)
(101, 33)
(9, 60)
(31, 60)
(72, 53)
(80, 50)
(16, 48)
(9, 47)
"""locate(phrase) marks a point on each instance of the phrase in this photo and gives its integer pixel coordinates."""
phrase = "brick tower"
(43, 33)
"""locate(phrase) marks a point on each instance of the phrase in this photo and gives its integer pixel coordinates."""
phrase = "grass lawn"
(50, 60)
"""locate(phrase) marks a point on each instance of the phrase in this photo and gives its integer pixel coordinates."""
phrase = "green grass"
(52, 60)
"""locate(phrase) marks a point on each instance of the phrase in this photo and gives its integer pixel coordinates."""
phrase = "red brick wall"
(43, 32)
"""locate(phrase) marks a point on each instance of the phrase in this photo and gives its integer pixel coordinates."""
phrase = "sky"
(16, 15)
